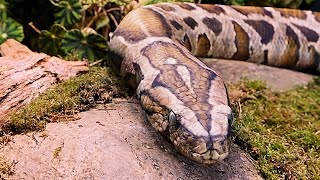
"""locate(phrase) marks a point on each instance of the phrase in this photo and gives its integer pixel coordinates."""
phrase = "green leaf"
(50, 41)
(69, 12)
(10, 29)
(102, 21)
(88, 30)
(120, 2)
(100, 3)
(146, 2)
(3, 10)
(89, 46)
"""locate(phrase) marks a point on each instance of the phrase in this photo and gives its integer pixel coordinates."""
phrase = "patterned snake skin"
(183, 98)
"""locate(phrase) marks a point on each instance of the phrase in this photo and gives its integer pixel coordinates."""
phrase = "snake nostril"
(209, 145)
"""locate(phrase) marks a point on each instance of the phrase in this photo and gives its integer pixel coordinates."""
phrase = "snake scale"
(183, 98)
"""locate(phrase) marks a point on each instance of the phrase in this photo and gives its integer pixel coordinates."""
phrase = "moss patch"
(281, 131)
(61, 102)
(56, 152)
(6, 168)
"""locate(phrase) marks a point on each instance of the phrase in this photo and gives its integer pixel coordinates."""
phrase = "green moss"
(56, 152)
(281, 131)
(64, 100)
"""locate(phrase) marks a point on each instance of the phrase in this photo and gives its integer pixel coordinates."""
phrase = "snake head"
(204, 138)
(184, 100)
(204, 145)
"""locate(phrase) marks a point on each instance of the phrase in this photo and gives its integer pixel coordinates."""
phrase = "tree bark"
(25, 74)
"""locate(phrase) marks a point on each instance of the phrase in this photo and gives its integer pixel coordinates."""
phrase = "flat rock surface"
(116, 142)
(276, 78)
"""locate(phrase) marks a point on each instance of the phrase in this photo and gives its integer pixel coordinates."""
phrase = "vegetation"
(6, 168)
(56, 152)
(66, 99)
(9, 28)
(275, 3)
(281, 131)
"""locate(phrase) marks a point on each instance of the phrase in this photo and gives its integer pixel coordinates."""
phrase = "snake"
(182, 97)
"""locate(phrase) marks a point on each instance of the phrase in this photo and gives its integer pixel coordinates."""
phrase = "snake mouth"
(201, 149)
(211, 152)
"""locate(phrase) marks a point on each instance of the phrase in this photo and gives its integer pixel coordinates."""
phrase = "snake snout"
(211, 150)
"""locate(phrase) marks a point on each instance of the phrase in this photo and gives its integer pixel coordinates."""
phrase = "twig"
(113, 19)
(240, 109)
(113, 9)
(96, 62)
(96, 15)
(34, 27)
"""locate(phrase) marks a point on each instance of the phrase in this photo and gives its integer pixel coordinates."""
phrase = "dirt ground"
(115, 141)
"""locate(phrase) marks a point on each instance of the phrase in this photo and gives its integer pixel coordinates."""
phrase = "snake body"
(183, 98)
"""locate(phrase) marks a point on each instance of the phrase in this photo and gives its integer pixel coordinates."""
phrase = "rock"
(276, 78)
(115, 142)
(25, 74)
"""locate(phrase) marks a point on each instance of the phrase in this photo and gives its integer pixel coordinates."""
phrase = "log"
(25, 74)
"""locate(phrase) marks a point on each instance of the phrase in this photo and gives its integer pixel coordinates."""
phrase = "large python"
(183, 98)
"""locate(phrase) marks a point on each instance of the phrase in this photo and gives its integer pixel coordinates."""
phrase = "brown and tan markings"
(252, 10)
(213, 24)
(166, 7)
(292, 13)
(242, 43)
(194, 98)
(265, 57)
(132, 32)
(212, 9)
(311, 35)
(290, 56)
(190, 22)
(203, 45)
(315, 61)
(186, 6)
(186, 41)
(263, 28)
(176, 25)
(316, 16)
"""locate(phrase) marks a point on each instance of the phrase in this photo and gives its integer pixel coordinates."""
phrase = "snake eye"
(172, 118)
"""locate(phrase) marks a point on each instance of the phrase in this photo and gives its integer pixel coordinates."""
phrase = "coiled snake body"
(182, 97)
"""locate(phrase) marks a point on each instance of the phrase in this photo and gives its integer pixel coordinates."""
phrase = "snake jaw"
(208, 147)
(207, 150)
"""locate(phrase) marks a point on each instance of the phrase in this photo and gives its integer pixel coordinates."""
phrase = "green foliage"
(146, 2)
(281, 131)
(9, 28)
(274, 3)
(69, 37)
(50, 41)
(69, 12)
(89, 45)
(3, 10)
(100, 3)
